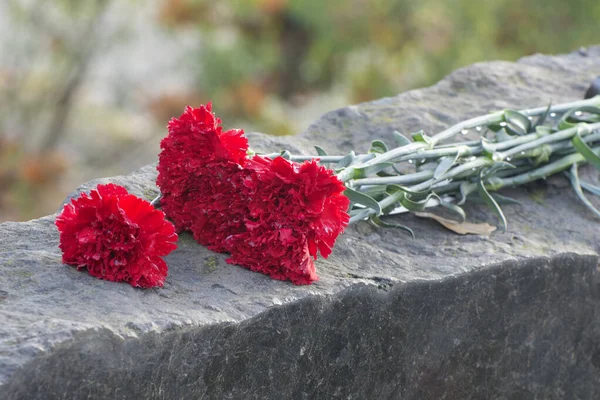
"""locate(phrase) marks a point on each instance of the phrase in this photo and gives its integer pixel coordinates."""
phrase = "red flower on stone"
(116, 236)
(295, 211)
(200, 171)
(272, 216)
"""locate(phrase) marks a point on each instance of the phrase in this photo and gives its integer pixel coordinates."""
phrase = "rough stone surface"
(511, 316)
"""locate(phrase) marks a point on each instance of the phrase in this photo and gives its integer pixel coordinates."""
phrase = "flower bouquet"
(275, 213)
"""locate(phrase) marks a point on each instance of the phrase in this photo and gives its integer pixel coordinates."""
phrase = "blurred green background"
(87, 87)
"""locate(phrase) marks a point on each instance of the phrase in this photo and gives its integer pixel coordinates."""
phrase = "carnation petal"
(113, 234)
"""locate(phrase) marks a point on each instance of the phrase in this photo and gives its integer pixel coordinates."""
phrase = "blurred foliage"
(253, 50)
(42, 68)
(267, 65)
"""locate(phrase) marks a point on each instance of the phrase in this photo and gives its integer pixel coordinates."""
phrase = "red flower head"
(295, 211)
(116, 236)
(280, 253)
(198, 137)
(198, 175)
(272, 216)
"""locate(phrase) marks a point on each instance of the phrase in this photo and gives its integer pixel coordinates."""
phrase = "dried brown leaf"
(462, 228)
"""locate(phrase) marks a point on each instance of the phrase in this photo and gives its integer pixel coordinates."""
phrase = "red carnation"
(116, 236)
(280, 253)
(199, 174)
(272, 216)
(295, 211)
(213, 205)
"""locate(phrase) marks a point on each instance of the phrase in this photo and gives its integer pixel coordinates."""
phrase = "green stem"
(322, 159)
(395, 180)
(496, 117)
(447, 188)
(507, 144)
(535, 147)
(554, 137)
(348, 173)
(567, 145)
(495, 183)
(461, 150)
(467, 143)
(397, 196)
(540, 173)
(411, 151)
(466, 167)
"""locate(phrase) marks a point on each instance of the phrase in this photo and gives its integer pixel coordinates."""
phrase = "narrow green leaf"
(374, 190)
(518, 123)
(378, 147)
(363, 199)
(388, 210)
(494, 127)
(590, 188)
(592, 111)
(513, 131)
(400, 139)
(574, 175)
(502, 135)
(565, 123)
(420, 136)
(570, 119)
(347, 160)
(585, 150)
(540, 121)
(320, 151)
(445, 164)
(466, 188)
(415, 205)
(393, 188)
(455, 209)
(383, 224)
(488, 150)
(489, 200)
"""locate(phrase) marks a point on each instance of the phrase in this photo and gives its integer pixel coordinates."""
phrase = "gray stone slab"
(510, 316)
